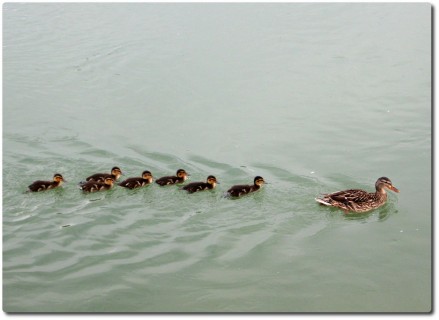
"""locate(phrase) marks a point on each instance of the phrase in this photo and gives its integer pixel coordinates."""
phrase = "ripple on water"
(146, 240)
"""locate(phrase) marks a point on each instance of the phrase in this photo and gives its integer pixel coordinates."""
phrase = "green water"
(313, 97)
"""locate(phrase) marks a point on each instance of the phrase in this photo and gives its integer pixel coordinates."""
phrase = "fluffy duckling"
(100, 177)
(180, 177)
(41, 185)
(93, 186)
(239, 190)
(137, 182)
(210, 183)
(359, 201)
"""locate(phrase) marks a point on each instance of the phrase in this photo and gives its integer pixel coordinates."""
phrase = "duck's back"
(239, 190)
(167, 180)
(99, 177)
(93, 186)
(40, 185)
(354, 195)
(132, 183)
(196, 186)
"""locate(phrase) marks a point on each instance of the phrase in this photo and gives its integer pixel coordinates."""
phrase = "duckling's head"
(115, 171)
(147, 176)
(58, 178)
(384, 183)
(212, 181)
(259, 181)
(182, 174)
(109, 181)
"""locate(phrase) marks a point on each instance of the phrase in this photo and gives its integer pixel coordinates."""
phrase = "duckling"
(239, 190)
(100, 177)
(359, 201)
(199, 186)
(180, 177)
(40, 185)
(137, 182)
(93, 186)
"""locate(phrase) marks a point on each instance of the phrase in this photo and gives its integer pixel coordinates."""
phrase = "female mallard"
(358, 200)
(239, 190)
(100, 177)
(93, 186)
(137, 182)
(180, 177)
(199, 186)
(41, 185)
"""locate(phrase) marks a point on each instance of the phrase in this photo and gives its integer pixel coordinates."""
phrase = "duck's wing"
(98, 177)
(92, 186)
(132, 183)
(239, 190)
(167, 180)
(195, 186)
(347, 196)
(40, 185)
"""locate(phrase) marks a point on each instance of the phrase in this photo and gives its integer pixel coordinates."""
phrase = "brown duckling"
(100, 177)
(239, 190)
(41, 185)
(137, 182)
(210, 183)
(93, 186)
(359, 201)
(180, 177)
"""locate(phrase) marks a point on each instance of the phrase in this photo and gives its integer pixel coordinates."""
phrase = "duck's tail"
(322, 201)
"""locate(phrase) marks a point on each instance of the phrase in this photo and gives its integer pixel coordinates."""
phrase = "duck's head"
(182, 174)
(212, 181)
(58, 178)
(385, 183)
(115, 171)
(147, 175)
(259, 181)
(109, 181)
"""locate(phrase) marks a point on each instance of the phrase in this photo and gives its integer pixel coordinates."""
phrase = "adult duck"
(359, 201)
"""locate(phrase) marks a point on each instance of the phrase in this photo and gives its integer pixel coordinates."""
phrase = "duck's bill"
(394, 189)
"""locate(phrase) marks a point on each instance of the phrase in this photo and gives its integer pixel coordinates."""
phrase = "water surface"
(313, 97)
